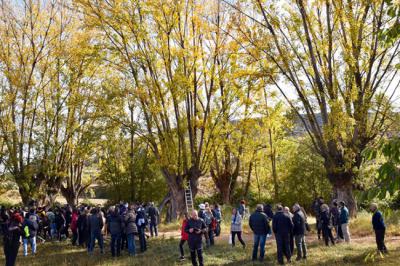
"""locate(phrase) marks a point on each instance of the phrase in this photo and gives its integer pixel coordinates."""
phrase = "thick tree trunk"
(176, 185)
(343, 189)
(344, 192)
(177, 203)
(71, 196)
(225, 185)
(25, 195)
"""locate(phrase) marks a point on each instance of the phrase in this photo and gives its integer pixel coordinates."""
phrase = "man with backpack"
(141, 223)
(154, 217)
(30, 228)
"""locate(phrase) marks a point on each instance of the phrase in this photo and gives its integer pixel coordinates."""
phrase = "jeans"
(239, 234)
(131, 244)
(153, 229)
(32, 242)
(210, 239)
(283, 246)
(300, 246)
(115, 244)
(345, 231)
(53, 230)
(380, 240)
(259, 240)
(93, 236)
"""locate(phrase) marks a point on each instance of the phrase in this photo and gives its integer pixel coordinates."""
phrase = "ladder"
(188, 198)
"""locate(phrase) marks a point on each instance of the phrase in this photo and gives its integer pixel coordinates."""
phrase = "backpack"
(214, 224)
(26, 231)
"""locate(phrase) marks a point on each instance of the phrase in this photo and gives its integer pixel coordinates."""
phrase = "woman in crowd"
(236, 227)
(184, 236)
(326, 223)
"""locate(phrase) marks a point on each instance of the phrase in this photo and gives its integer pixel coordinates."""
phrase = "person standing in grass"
(236, 227)
(154, 217)
(184, 236)
(30, 227)
(287, 211)
(141, 223)
(12, 234)
(344, 221)
(82, 227)
(217, 213)
(74, 227)
(326, 222)
(379, 227)
(115, 227)
(282, 226)
(95, 225)
(335, 217)
(208, 220)
(299, 230)
(131, 229)
(195, 227)
(258, 223)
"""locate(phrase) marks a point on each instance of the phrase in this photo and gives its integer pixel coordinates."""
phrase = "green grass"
(165, 252)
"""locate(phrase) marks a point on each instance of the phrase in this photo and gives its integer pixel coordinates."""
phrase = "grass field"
(165, 252)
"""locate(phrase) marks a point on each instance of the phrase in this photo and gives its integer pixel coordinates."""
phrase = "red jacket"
(74, 221)
(184, 235)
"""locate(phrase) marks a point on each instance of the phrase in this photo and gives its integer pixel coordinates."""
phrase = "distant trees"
(47, 98)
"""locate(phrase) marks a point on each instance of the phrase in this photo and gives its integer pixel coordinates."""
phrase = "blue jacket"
(344, 215)
(377, 221)
(258, 223)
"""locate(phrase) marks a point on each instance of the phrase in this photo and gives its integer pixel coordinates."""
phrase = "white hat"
(202, 206)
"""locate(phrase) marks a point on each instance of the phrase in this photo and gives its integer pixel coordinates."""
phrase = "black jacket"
(299, 223)
(259, 223)
(268, 211)
(326, 220)
(282, 223)
(153, 214)
(198, 225)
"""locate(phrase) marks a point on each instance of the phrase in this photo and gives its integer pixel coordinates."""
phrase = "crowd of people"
(85, 226)
(289, 226)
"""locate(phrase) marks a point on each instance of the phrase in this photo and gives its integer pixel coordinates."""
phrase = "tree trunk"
(343, 189)
(247, 186)
(177, 203)
(25, 195)
(224, 183)
(71, 196)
